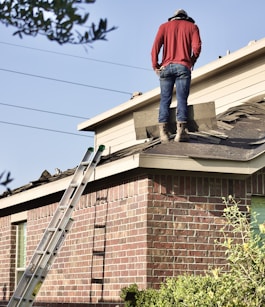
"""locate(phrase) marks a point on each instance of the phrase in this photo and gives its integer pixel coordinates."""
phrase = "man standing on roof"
(181, 42)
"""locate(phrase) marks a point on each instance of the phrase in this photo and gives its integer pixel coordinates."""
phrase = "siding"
(227, 86)
(236, 85)
(119, 133)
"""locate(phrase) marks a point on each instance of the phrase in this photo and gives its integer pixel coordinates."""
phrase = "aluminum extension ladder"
(54, 235)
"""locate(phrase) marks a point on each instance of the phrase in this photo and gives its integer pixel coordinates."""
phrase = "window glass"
(21, 246)
(257, 212)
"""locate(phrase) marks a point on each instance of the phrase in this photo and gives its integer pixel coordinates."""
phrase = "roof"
(239, 138)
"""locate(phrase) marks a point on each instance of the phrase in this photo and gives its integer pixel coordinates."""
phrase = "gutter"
(141, 160)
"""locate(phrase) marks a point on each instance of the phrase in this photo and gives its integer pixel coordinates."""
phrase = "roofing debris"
(240, 136)
(45, 177)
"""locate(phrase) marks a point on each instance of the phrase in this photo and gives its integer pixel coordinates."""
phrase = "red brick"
(157, 225)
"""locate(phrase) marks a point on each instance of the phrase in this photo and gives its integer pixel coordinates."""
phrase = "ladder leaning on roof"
(55, 233)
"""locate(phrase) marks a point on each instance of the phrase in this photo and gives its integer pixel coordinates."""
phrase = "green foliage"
(128, 294)
(132, 296)
(193, 291)
(243, 285)
(245, 254)
(147, 298)
(59, 20)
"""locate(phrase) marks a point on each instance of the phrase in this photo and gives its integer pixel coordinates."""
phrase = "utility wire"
(45, 129)
(43, 111)
(64, 81)
(76, 56)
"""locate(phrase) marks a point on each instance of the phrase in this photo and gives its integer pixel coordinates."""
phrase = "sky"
(48, 89)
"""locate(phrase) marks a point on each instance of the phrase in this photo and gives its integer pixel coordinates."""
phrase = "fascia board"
(116, 167)
(202, 165)
(101, 171)
(142, 160)
(35, 193)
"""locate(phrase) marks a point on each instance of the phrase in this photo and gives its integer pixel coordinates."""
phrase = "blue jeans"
(181, 76)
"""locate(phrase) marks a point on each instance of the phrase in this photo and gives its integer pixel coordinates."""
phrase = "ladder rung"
(39, 252)
(73, 185)
(99, 253)
(99, 226)
(51, 229)
(63, 207)
(97, 281)
(55, 234)
(85, 163)
(27, 274)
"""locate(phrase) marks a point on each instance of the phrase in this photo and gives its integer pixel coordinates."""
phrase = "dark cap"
(179, 13)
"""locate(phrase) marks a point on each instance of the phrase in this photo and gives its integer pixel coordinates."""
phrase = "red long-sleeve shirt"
(181, 44)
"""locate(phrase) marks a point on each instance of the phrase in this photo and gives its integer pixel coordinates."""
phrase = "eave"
(142, 161)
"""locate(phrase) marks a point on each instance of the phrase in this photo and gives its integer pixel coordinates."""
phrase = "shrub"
(128, 294)
(243, 285)
(245, 254)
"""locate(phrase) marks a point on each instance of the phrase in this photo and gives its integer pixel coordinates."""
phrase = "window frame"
(257, 203)
(20, 256)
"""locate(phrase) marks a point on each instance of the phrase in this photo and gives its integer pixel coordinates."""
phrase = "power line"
(76, 56)
(45, 129)
(43, 111)
(64, 81)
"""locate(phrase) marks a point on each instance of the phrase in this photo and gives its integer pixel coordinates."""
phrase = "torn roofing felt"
(239, 136)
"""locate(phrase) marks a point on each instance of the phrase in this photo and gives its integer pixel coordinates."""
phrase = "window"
(257, 207)
(21, 246)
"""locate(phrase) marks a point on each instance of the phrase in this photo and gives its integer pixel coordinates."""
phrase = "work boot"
(181, 135)
(164, 133)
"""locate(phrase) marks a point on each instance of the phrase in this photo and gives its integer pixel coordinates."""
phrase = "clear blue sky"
(109, 71)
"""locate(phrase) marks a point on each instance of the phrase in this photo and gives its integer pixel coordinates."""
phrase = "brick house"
(151, 210)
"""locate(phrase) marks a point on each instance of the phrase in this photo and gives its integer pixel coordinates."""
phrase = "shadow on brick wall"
(46, 304)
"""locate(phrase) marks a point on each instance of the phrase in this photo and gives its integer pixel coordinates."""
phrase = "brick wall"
(121, 208)
(7, 257)
(184, 222)
(156, 225)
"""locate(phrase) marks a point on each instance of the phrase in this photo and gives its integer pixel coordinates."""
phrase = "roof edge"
(142, 160)
(202, 164)
(223, 62)
(100, 172)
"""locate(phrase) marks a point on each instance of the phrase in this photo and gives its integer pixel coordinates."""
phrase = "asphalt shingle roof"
(240, 136)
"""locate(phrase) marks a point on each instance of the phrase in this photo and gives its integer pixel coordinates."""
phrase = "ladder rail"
(40, 272)
(66, 195)
(54, 235)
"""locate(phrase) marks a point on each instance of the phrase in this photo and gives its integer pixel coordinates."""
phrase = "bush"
(134, 297)
(242, 286)
(245, 254)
